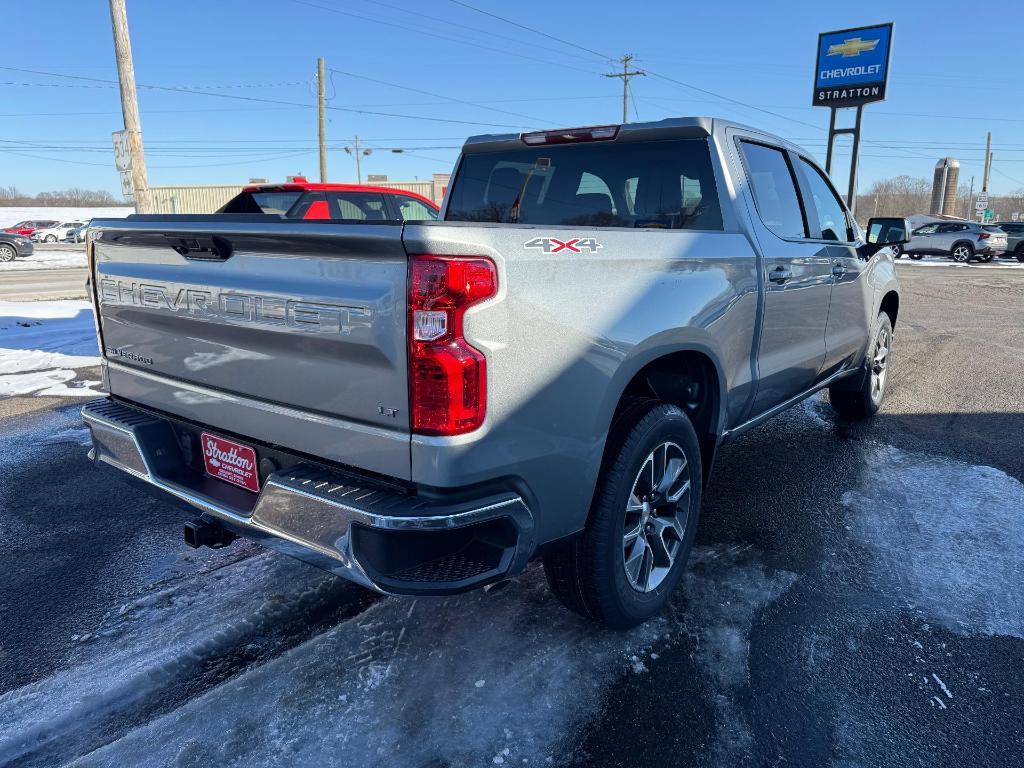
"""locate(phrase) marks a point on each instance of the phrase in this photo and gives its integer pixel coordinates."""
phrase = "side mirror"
(883, 231)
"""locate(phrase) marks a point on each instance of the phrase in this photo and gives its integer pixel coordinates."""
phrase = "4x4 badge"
(572, 244)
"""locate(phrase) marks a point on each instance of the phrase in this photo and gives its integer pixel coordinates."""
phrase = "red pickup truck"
(300, 199)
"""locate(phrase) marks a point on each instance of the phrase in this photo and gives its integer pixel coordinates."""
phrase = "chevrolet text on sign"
(852, 66)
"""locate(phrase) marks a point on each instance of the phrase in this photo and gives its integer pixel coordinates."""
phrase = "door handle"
(780, 275)
(838, 270)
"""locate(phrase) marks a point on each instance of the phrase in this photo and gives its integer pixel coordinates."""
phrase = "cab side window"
(774, 186)
(832, 220)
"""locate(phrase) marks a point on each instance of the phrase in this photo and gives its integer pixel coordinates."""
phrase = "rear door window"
(357, 206)
(832, 221)
(411, 209)
(775, 190)
(657, 185)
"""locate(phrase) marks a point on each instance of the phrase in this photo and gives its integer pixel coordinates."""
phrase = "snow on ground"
(41, 343)
(12, 215)
(63, 256)
(942, 261)
(954, 534)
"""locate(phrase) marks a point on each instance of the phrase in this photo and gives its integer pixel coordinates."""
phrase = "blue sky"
(953, 77)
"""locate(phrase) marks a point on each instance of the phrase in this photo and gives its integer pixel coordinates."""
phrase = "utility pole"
(988, 162)
(129, 102)
(359, 154)
(625, 74)
(320, 118)
(970, 200)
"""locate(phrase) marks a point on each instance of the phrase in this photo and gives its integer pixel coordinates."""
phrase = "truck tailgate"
(287, 333)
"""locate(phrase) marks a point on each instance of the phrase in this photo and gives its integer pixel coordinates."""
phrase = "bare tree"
(76, 197)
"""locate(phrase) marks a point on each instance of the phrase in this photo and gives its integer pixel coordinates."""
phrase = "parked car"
(13, 246)
(301, 199)
(961, 241)
(545, 372)
(29, 226)
(57, 232)
(77, 235)
(1014, 238)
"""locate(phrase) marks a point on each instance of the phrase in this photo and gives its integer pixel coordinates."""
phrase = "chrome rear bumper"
(386, 540)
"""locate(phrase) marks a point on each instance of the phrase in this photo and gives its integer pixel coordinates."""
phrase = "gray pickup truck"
(547, 371)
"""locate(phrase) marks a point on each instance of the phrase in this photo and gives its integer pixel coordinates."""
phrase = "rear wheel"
(7, 252)
(1019, 253)
(962, 252)
(897, 250)
(622, 570)
(50, 239)
(916, 256)
(865, 401)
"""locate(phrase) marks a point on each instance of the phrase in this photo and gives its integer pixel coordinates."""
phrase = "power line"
(560, 40)
(489, 48)
(436, 95)
(175, 89)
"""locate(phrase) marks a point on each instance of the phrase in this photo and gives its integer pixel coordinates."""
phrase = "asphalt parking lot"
(854, 600)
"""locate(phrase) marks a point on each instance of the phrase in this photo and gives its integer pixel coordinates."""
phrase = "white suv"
(57, 233)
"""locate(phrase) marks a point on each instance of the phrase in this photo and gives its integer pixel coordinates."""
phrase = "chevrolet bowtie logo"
(854, 46)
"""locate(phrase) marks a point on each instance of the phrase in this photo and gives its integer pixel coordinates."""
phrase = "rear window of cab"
(650, 185)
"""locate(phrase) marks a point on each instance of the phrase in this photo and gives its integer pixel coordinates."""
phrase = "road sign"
(981, 205)
(127, 186)
(852, 66)
(990, 215)
(122, 150)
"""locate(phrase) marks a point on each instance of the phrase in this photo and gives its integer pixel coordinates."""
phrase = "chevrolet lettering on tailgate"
(236, 308)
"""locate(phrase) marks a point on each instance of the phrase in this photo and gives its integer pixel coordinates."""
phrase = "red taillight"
(984, 235)
(571, 135)
(447, 376)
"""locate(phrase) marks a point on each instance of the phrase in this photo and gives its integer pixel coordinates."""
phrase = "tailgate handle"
(206, 247)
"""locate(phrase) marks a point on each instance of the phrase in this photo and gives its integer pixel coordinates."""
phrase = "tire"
(897, 251)
(864, 402)
(1019, 253)
(590, 574)
(986, 258)
(962, 253)
(7, 252)
(916, 256)
(50, 239)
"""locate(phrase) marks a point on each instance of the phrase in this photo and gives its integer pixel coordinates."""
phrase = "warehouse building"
(209, 198)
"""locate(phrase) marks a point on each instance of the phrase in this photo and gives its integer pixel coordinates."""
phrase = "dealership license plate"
(230, 461)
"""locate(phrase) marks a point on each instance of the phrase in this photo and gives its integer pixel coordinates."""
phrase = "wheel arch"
(890, 304)
(688, 375)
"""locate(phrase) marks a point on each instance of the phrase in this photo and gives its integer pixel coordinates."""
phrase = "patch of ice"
(530, 662)
(541, 668)
(952, 533)
(154, 639)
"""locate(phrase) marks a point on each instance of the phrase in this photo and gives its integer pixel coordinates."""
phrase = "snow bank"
(41, 343)
(65, 257)
(9, 216)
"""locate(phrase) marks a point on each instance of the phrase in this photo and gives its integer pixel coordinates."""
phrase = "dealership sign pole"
(851, 70)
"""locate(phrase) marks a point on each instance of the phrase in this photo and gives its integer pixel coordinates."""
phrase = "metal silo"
(944, 186)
